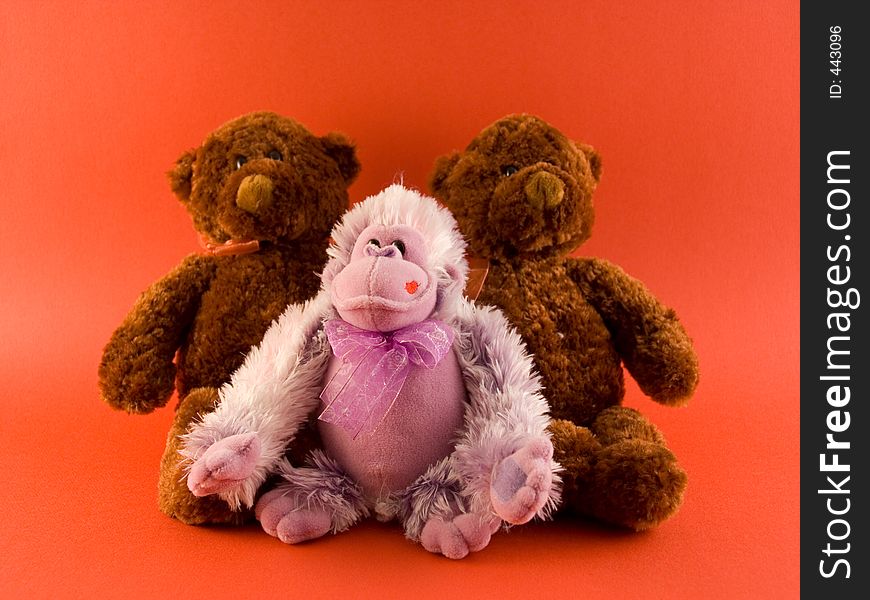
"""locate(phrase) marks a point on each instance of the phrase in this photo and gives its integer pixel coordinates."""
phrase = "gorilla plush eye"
(240, 160)
(375, 243)
(509, 170)
(400, 246)
(275, 155)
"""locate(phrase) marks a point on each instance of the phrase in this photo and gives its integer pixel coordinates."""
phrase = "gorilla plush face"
(397, 258)
(386, 285)
(521, 188)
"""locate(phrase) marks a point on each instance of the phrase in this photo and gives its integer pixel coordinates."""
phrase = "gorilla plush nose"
(389, 251)
(255, 194)
(545, 190)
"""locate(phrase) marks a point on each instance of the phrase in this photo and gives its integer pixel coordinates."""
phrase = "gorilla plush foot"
(282, 516)
(455, 539)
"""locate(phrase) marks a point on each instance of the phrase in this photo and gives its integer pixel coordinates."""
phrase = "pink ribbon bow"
(374, 368)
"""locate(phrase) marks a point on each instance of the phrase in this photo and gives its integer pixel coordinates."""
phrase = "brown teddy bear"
(522, 194)
(263, 193)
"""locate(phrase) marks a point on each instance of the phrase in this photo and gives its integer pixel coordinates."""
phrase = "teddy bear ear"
(343, 152)
(593, 158)
(443, 167)
(181, 175)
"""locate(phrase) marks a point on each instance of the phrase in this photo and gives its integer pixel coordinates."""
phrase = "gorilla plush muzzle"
(386, 285)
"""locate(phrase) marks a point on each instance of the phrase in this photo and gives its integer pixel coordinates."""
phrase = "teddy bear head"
(520, 189)
(265, 177)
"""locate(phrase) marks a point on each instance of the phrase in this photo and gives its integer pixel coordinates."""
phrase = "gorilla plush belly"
(417, 431)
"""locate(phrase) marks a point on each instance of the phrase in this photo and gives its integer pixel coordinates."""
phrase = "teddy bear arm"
(137, 373)
(649, 337)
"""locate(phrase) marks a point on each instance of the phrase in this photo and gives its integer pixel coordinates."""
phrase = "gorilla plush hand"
(521, 482)
(225, 465)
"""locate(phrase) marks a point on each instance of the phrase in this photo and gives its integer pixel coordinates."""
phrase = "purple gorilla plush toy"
(428, 408)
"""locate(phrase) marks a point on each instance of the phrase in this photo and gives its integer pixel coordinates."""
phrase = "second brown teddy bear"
(263, 193)
(522, 194)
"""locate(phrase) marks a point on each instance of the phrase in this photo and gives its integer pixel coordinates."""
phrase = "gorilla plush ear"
(181, 175)
(447, 289)
(593, 158)
(443, 167)
(343, 152)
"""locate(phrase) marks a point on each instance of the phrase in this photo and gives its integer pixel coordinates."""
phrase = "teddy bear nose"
(545, 190)
(255, 194)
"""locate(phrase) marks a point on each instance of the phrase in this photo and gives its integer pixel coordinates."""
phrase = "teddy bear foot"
(282, 516)
(521, 482)
(176, 501)
(634, 483)
(457, 538)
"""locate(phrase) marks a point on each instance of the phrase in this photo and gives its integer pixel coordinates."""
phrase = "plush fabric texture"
(259, 178)
(522, 194)
(435, 453)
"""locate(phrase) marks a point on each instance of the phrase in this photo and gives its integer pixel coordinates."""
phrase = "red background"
(694, 108)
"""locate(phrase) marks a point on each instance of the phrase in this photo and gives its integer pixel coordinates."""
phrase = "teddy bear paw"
(455, 539)
(226, 464)
(649, 481)
(521, 482)
(283, 517)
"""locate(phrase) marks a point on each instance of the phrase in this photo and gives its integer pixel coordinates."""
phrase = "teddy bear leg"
(574, 448)
(635, 480)
(311, 502)
(174, 497)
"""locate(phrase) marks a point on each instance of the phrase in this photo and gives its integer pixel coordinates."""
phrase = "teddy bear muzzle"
(533, 207)
(255, 194)
(544, 190)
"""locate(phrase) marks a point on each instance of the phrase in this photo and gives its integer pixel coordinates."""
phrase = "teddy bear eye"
(400, 246)
(275, 155)
(375, 243)
(240, 160)
(509, 170)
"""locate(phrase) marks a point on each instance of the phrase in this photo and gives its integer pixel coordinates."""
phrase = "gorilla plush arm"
(137, 373)
(268, 400)
(650, 339)
(505, 421)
